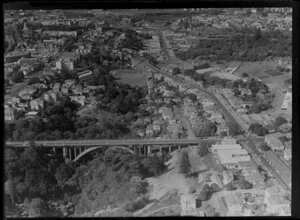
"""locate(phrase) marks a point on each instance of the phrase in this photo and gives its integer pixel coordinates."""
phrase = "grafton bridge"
(75, 149)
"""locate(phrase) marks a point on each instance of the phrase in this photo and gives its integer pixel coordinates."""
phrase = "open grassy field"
(256, 69)
(131, 77)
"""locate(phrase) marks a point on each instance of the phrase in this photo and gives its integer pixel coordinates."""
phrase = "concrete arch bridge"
(90, 149)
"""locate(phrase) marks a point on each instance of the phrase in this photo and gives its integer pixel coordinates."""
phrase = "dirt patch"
(224, 75)
(169, 181)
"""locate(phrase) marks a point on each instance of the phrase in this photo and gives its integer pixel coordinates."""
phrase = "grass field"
(131, 77)
(256, 69)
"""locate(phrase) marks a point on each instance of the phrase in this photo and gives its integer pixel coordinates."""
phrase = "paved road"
(17, 33)
(231, 115)
(282, 181)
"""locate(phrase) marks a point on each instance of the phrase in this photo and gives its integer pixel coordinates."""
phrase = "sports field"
(131, 77)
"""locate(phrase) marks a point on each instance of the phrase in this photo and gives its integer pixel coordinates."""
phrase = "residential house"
(65, 65)
(149, 130)
(222, 128)
(9, 113)
(245, 91)
(15, 100)
(216, 116)
(207, 103)
(227, 177)
(65, 90)
(254, 178)
(285, 128)
(31, 114)
(166, 113)
(288, 150)
(183, 87)
(187, 203)
(69, 83)
(78, 99)
(85, 75)
(37, 104)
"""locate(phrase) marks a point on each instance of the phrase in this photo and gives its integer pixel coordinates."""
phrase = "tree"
(156, 165)
(245, 75)
(234, 129)
(257, 35)
(63, 173)
(185, 165)
(264, 146)
(33, 80)
(36, 208)
(203, 151)
(244, 184)
(215, 187)
(205, 193)
(230, 187)
(280, 121)
(258, 129)
(193, 97)
(17, 77)
(176, 71)
(236, 91)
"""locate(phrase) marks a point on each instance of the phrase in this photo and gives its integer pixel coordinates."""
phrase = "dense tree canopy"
(258, 129)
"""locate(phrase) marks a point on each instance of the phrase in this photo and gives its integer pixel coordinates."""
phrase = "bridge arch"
(94, 148)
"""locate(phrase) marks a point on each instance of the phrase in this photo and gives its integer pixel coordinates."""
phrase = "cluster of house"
(240, 202)
(254, 21)
(24, 101)
(66, 22)
(274, 142)
(190, 109)
(179, 41)
(239, 105)
(174, 126)
(287, 101)
(152, 46)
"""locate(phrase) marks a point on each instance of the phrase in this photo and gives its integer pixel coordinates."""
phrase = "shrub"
(230, 187)
(134, 206)
(244, 184)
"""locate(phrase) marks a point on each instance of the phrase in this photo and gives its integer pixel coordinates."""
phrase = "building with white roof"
(287, 101)
(231, 157)
(216, 147)
(273, 142)
(276, 200)
(227, 177)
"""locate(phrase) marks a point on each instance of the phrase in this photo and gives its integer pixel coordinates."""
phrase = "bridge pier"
(70, 153)
(169, 149)
(64, 152)
(75, 152)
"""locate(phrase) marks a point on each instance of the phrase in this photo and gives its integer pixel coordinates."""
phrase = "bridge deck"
(113, 142)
